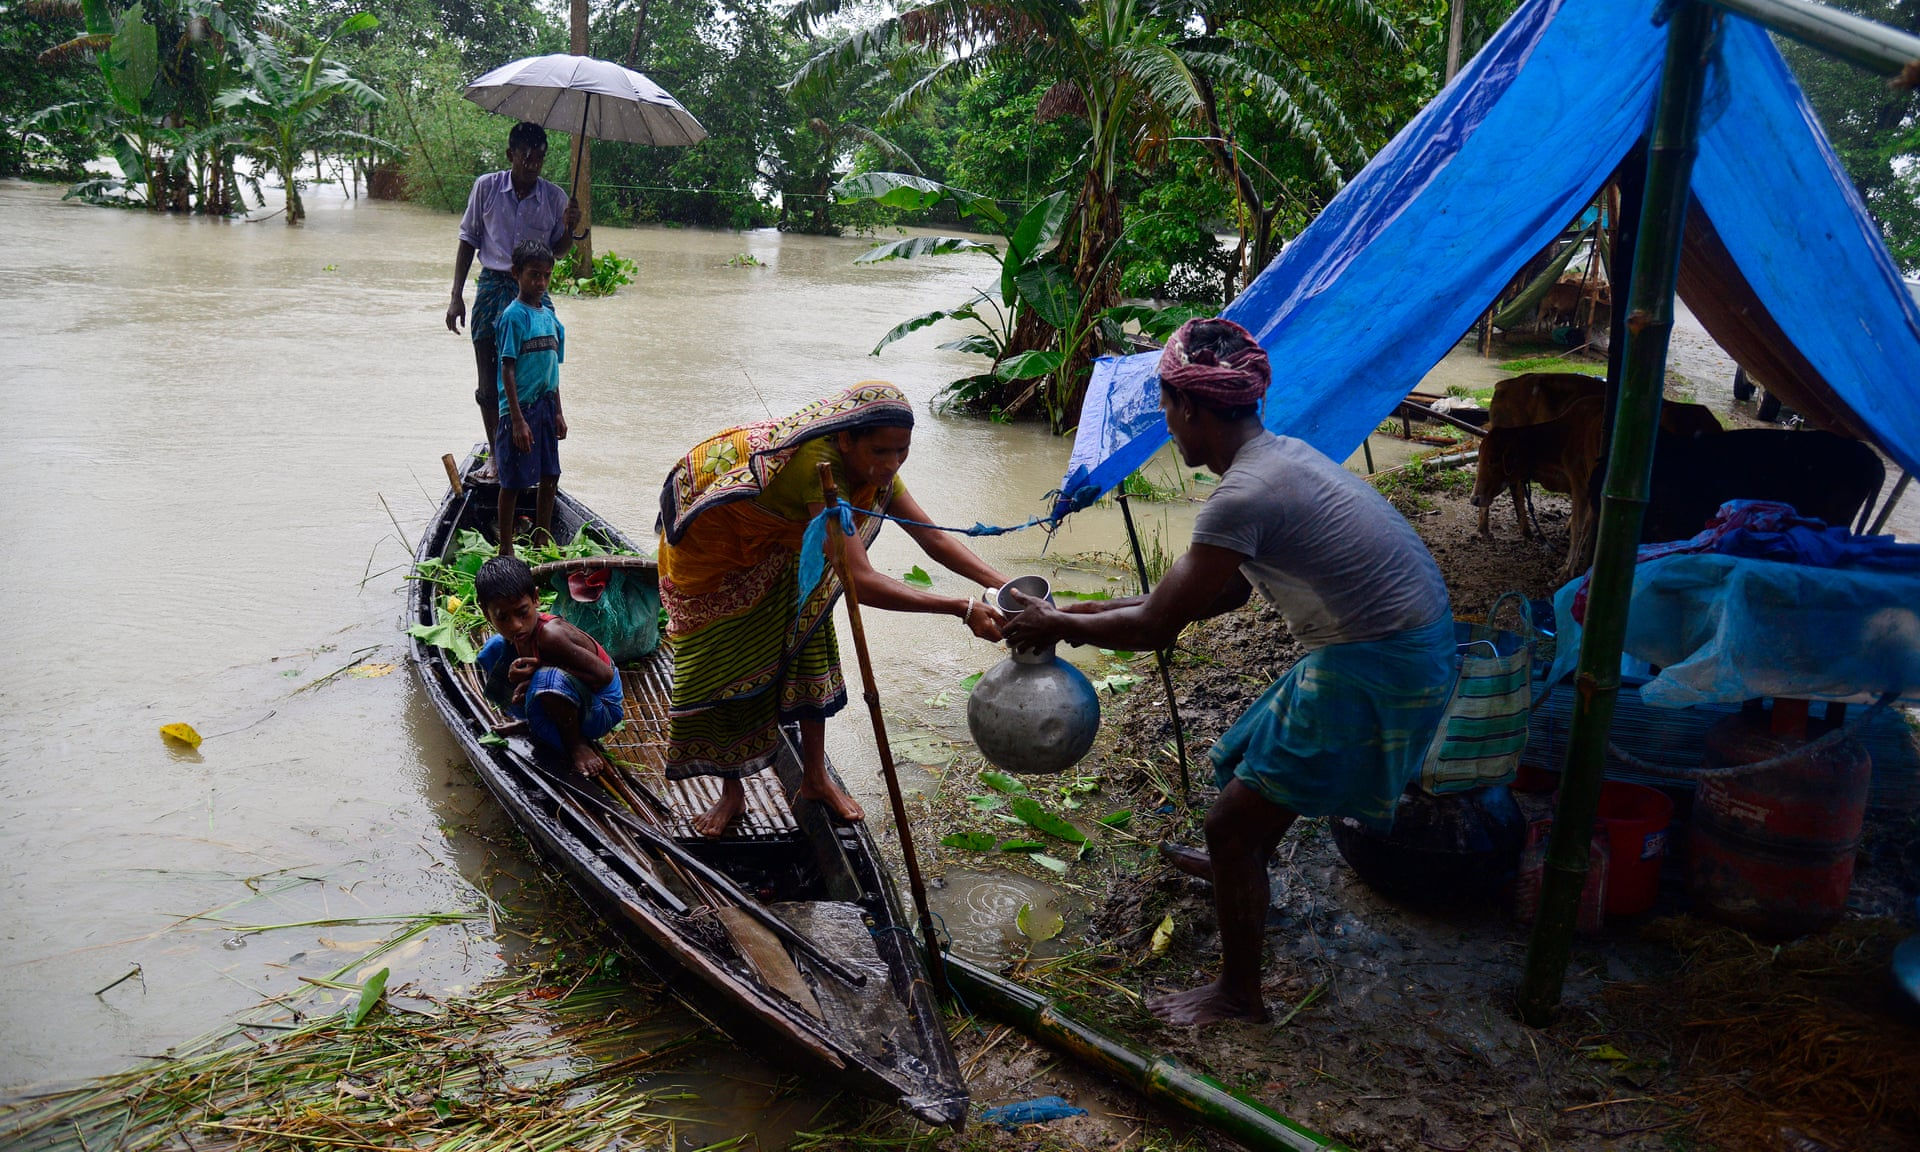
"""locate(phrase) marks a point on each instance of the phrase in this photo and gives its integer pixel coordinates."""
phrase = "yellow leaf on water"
(180, 733)
(369, 671)
(1162, 936)
(348, 945)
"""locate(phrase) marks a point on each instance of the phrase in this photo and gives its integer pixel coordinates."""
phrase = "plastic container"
(1636, 819)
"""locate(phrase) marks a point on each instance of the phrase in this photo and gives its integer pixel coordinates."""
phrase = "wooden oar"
(836, 550)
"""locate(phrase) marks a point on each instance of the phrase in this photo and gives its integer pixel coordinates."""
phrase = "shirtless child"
(542, 669)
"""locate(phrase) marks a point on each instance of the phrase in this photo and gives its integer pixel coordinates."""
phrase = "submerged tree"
(281, 111)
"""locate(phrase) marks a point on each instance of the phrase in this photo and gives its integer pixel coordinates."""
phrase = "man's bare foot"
(714, 821)
(1206, 1004)
(839, 805)
(1192, 861)
(587, 761)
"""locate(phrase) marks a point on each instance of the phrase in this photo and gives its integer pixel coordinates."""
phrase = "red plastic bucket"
(1636, 819)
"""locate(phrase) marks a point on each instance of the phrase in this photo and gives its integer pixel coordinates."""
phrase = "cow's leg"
(1519, 490)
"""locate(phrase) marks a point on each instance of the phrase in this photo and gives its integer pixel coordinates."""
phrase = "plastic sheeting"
(1724, 629)
(1360, 306)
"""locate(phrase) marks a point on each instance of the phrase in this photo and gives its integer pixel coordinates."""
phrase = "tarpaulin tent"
(1782, 264)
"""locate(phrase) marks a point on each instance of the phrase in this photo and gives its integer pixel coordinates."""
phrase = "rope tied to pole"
(813, 556)
(1811, 748)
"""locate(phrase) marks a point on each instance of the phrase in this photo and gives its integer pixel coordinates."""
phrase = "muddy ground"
(1393, 1029)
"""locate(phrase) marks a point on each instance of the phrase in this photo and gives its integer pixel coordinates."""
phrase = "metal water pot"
(1033, 712)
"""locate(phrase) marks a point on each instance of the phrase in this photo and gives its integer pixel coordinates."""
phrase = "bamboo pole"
(1160, 656)
(1200, 1098)
(837, 552)
(1656, 263)
(1855, 39)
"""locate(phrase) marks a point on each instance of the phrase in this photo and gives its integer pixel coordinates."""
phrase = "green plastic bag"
(626, 617)
(1485, 729)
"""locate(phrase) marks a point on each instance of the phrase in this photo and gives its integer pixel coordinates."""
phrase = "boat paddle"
(836, 552)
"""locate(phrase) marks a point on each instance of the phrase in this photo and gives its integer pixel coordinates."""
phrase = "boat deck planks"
(640, 746)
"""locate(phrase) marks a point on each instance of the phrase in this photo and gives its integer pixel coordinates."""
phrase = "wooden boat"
(785, 932)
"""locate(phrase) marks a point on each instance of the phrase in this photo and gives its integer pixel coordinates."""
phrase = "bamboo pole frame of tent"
(1635, 419)
(1656, 269)
(1163, 656)
(1855, 39)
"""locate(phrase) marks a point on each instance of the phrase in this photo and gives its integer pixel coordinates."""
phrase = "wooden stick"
(453, 472)
(836, 551)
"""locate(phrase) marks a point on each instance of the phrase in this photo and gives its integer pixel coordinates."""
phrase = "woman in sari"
(750, 651)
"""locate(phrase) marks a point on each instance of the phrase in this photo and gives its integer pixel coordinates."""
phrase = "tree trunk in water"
(583, 160)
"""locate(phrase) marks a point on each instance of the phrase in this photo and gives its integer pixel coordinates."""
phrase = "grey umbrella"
(595, 99)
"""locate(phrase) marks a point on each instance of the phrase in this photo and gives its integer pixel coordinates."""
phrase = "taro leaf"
(1001, 782)
(1036, 925)
(969, 841)
(1029, 811)
(986, 803)
(969, 681)
(372, 993)
(1027, 365)
(446, 635)
(1018, 845)
(1050, 863)
(180, 734)
(1118, 819)
(1162, 936)
(917, 576)
(914, 246)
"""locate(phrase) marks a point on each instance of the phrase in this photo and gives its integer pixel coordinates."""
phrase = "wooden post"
(453, 471)
(1456, 31)
(582, 158)
(1629, 465)
(836, 551)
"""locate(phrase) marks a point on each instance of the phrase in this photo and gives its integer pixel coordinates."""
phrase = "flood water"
(218, 435)
(208, 426)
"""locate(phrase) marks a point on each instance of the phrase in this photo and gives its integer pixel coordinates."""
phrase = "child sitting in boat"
(543, 670)
(526, 444)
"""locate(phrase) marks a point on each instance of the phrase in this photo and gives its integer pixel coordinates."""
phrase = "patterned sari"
(747, 655)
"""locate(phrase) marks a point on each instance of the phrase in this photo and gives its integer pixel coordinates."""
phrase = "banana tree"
(281, 110)
(126, 48)
(1032, 283)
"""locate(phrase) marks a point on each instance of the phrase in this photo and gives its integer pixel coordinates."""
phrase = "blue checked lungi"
(1346, 729)
(599, 711)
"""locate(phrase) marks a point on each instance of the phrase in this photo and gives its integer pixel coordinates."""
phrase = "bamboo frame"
(1656, 269)
(1855, 39)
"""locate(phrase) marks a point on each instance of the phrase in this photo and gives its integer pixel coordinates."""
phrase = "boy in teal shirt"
(532, 344)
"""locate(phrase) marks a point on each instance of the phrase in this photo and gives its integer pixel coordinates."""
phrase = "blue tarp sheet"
(1360, 306)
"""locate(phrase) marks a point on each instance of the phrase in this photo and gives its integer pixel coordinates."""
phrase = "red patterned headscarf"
(1228, 368)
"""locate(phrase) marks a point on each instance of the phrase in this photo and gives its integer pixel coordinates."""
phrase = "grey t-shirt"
(1321, 545)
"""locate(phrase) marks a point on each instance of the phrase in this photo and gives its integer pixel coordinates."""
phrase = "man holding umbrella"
(504, 209)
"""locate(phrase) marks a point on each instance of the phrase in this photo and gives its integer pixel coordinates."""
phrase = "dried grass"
(1796, 1036)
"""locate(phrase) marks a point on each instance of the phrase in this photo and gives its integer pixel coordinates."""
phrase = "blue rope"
(813, 545)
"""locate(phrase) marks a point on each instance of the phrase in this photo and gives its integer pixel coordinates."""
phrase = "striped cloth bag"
(1485, 728)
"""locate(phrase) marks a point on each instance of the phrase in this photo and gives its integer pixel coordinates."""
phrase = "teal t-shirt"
(535, 341)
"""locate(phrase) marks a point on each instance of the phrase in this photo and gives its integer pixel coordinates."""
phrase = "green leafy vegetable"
(1118, 819)
(969, 841)
(446, 635)
(1001, 782)
(970, 681)
(1018, 845)
(1034, 816)
(917, 576)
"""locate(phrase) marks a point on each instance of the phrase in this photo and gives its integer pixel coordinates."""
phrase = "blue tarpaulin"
(1361, 305)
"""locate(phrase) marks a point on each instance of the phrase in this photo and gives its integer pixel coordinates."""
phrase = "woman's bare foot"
(1192, 861)
(839, 805)
(714, 821)
(1206, 1004)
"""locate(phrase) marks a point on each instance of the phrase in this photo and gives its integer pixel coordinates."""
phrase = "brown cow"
(1561, 455)
(1539, 397)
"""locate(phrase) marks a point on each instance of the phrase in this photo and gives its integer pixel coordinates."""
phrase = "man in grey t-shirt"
(1344, 731)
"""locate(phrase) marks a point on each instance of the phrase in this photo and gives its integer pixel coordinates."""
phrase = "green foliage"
(1874, 127)
(458, 621)
(610, 271)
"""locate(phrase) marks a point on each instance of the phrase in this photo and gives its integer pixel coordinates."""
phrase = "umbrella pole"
(836, 550)
(583, 247)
